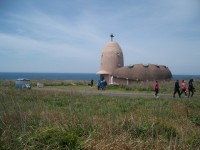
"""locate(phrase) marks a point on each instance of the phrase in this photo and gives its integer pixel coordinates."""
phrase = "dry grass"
(39, 119)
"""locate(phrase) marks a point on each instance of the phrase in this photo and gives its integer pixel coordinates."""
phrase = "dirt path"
(110, 93)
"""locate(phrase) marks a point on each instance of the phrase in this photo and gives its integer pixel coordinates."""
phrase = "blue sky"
(69, 35)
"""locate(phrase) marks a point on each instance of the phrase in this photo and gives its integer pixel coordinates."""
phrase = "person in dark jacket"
(190, 88)
(99, 84)
(176, 89)
(91, 83)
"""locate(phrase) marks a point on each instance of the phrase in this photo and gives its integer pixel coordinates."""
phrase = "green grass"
(55, 119)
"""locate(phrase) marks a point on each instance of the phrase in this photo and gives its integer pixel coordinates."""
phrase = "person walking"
(176, 89)
(156, 89)
(98, 85)
(183, 88)
(190, 88)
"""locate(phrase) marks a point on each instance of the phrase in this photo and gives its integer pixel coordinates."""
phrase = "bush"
(54, 138)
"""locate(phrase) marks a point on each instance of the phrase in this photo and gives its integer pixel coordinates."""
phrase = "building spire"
(111, 36)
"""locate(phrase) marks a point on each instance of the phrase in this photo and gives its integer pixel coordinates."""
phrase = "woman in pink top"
(183, 88)
(156, 88)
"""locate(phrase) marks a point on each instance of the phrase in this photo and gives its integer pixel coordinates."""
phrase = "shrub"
(80, 131)
(54, 138)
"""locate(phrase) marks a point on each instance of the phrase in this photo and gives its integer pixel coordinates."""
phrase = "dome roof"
(112, 47)
(143, 72)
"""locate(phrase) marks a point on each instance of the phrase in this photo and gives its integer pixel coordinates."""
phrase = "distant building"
(114, 72)
(40, 85)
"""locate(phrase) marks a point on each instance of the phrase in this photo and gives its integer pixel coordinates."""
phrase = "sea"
(69, 76)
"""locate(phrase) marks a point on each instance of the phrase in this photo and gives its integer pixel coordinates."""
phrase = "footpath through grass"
(39, 119)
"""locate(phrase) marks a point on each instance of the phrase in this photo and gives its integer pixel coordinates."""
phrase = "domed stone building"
(114, 72)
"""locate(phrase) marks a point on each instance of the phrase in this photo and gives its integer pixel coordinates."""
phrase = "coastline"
(69, 76)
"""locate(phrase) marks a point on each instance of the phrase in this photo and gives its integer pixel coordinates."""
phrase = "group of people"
(101, 85)
(184, 88)
(190, 90)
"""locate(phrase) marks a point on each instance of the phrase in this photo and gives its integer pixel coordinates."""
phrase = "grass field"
(55, 119)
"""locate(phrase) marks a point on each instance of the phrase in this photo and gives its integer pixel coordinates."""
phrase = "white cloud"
(33, 52)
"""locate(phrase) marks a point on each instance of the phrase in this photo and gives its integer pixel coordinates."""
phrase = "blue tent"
(22, 83)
